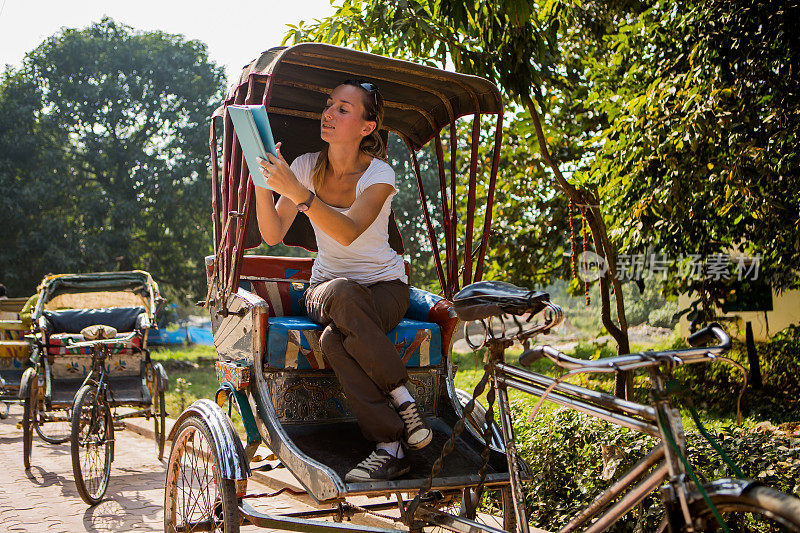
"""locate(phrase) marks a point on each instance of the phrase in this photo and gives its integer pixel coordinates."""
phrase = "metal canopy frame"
(420, 102)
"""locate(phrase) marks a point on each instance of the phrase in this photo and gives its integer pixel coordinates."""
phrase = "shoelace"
(411, 418)
(374, 461)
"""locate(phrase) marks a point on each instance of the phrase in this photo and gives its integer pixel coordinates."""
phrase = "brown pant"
(356, 319)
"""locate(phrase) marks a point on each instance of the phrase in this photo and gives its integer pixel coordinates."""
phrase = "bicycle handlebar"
(696, 354)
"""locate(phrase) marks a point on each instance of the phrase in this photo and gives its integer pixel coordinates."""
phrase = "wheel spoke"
(194, 496)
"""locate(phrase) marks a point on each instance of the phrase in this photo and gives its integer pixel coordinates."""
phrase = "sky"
(234, 37)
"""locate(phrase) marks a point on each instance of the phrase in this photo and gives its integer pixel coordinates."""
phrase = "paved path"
(44, 499)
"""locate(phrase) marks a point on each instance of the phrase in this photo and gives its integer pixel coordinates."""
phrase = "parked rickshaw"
(270, 364)
(90, 356)
(14, 352)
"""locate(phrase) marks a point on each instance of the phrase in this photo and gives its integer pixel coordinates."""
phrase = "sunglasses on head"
(371, 88)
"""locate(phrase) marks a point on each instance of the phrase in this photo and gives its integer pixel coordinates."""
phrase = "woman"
(359, 288)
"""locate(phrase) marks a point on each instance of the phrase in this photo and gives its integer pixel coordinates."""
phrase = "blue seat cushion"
(293, 342)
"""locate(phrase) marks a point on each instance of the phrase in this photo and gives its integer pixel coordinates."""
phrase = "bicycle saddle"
(492, 298)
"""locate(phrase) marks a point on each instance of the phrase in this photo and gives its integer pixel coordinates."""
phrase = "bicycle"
(689, 504)
(93, 424)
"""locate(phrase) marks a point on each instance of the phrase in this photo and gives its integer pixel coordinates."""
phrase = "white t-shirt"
(369, 258)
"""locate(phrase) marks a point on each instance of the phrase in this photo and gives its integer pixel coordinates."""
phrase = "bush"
(715, 386)
(664, 317)
(780, 361)
(574, 457)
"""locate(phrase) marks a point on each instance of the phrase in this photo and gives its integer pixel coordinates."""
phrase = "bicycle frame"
(646, 419)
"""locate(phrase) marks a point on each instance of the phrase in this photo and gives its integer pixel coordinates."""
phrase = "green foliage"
(566, 450)
(105, 160)
(714, 387)
(574, 457)
(665, 316)
(702, 133)
(781, 360)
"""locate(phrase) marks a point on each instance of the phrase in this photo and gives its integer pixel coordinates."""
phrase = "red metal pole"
(453, 261)
(473, 168)
(431, 234)
(448, 245)
(487, 223)
(215, 215)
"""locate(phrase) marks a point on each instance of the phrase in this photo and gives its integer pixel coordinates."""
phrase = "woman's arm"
(343, 228)
(274, 219)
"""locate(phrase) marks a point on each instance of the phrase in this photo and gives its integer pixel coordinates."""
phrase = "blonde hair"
(371, 144)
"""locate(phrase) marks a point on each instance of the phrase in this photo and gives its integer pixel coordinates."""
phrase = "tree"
(106, 163)
(700, 152)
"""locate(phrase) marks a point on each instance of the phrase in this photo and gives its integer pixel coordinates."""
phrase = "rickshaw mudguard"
(247, 312)
(243, 406)
(232, 460)
(162, 380)
(25, 383)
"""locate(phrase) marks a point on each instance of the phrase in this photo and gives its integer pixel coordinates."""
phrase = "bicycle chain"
(375, 513)
(458, 429)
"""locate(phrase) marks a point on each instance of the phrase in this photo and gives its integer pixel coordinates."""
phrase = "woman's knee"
(331, 342)
(345, 287)
(342, 293)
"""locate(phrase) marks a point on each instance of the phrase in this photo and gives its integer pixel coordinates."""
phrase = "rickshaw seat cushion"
(123, 319)
(293, 343)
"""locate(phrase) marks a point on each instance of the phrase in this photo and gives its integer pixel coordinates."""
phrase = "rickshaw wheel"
(91, 442)
(159, 421)
(52, 432)
(495, 508)
(195, 496)
(28, 417)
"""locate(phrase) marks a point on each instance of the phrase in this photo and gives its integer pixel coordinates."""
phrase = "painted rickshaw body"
(269, 361)
(62, 357)
(14, 352)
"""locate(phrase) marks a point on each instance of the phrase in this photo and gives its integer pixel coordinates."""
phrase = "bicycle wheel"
(28, 421)
(159, 422)
(495, 508)
(757, 509)
(196, 498)
(91, 442)
(52, 426)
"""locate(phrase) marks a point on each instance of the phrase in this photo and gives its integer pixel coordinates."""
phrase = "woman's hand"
(281, 178)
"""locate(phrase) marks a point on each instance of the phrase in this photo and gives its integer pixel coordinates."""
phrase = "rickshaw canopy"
(99, 289)
(419, 100)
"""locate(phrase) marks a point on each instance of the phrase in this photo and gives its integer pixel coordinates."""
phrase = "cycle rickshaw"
(90, 356)
(14, 352)
(272, 371)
